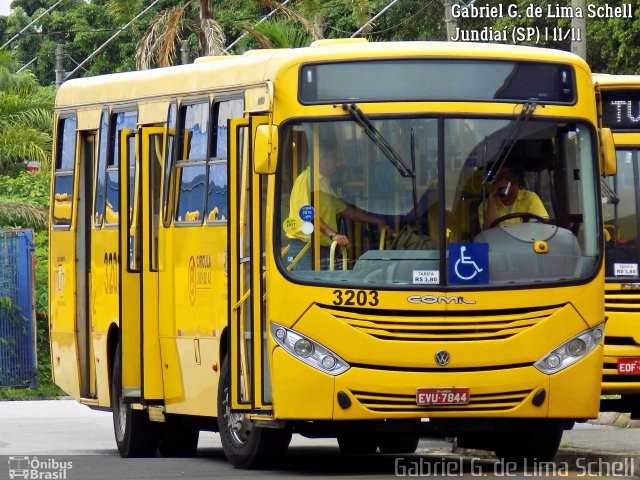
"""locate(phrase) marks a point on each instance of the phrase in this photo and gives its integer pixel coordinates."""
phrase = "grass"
(45, 390)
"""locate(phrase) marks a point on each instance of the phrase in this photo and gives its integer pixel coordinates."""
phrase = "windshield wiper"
(516, 128)
(374, 134)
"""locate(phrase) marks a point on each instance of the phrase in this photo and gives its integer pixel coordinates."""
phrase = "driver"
(330, 207)
(507, 196)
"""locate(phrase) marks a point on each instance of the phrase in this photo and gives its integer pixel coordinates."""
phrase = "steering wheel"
(523, 215)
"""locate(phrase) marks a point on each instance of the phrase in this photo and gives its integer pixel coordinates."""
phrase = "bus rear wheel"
(136, 435)
(528, 440)
(246, 445)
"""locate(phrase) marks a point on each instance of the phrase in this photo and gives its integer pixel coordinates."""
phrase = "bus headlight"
(308, 350)
(571, 351)
(303, 348)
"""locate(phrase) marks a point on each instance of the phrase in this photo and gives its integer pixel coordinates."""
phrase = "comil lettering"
(432, 299)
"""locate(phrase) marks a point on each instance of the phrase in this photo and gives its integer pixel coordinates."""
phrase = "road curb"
(584, 462)
(600, 462)
(615, 419)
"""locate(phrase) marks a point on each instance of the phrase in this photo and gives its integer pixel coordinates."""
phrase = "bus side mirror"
(265, 149)
(609, 165)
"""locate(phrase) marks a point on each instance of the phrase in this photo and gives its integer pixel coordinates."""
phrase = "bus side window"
(119, 121)
(99, 203)
(192, 160)
(217, 181)
(63, 176)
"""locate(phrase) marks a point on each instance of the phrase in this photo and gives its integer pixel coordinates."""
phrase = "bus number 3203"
(356, 297)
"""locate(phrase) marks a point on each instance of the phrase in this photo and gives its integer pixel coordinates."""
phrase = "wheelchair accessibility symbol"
(469, 263)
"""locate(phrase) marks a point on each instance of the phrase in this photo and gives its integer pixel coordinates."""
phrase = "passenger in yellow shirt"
(330, 206)
(507, 196)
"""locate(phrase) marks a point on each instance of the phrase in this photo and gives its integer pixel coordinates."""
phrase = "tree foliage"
(211, 25)
(25, 117)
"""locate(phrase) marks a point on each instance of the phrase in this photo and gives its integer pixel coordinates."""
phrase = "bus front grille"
(442, 326)
(610, 375)
(621, 300)
(396, 403)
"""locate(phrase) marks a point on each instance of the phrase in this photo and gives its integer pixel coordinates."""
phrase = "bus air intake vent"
(621, 300)
(439, 326)
(395, 403)
(610, 375)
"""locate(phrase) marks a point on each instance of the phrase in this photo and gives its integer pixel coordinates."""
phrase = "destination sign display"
(621, 109)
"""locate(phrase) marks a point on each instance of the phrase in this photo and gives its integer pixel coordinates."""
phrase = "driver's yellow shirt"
(329, 203)
(526, 202)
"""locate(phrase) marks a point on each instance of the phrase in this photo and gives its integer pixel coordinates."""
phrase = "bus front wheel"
(246, 445)
(136, 435)
(528, 440)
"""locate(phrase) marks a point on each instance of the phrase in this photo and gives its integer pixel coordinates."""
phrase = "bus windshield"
(620, 210)
(337, 186)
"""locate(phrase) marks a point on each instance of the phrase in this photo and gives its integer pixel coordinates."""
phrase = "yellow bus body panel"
(64, 351)
(193, 305)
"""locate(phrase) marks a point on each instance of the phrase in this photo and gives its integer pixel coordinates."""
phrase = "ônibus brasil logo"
(37, 469)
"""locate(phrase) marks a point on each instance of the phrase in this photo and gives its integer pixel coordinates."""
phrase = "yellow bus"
(619, 104)
(289, 241)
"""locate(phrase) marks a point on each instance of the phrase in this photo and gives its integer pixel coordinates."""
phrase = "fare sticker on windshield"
(625, 269)
(426, 277)
(291, 225)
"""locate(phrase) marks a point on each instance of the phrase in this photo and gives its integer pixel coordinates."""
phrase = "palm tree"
(17, 213)
(158, 44)
(279, 33)
(26, 117)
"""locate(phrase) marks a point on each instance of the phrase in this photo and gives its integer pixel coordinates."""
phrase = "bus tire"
(136, 435)
(528, 440)
(245, 445)
(178, 439)
(358, 438)
(398, 442)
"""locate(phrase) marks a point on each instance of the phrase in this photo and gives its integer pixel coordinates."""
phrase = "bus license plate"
(442, 396)
(629, 366)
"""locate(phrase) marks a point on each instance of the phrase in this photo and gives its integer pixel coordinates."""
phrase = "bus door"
(86, 167)
(141, 173)
(249, 375)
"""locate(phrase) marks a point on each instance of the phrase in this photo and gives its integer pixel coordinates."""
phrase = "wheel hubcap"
(238, 424)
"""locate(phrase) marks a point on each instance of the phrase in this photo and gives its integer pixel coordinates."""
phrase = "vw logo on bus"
(442, 357)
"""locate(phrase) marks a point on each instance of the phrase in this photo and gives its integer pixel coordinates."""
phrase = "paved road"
(64, 431)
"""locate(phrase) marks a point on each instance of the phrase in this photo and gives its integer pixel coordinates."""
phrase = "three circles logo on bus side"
(192, 280)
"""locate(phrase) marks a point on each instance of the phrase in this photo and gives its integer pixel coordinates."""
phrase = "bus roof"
(255, 67)
(607, 80)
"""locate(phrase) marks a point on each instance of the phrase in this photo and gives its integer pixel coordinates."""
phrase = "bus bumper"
(302, 392)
